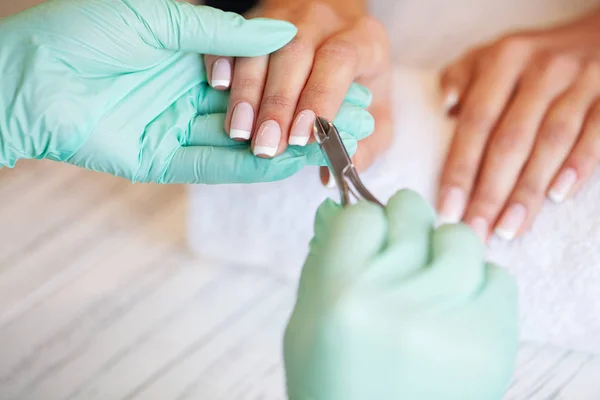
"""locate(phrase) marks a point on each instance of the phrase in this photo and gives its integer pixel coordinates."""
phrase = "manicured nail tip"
(451, 100)
(445, 219)
(556, 197)
(239, 134)
(298, 140)
(265, 151)
(330, 184)
(505, 234)
(511, 222)
(220, 83)
(453, 204)
(563, 185)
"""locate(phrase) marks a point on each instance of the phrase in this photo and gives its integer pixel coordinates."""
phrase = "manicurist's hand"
(391, 308)
(120, 87)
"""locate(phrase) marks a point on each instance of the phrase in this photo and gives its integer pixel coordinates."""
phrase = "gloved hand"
(391, 308)
(119, 87)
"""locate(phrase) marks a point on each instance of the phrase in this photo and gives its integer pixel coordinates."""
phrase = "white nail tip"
(220, 83)
(504, 234)
(447, 219)
(556, 197)
(265, 151)
(331, 184)
(451, 100)
(298, 140)
(239, 134)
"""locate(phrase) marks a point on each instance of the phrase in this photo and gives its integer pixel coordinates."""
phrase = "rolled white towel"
(557, 264)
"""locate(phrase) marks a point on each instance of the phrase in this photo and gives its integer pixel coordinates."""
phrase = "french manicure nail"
(563, 185)
(302, 128)
(511, 222)
(267, 139)
(330, 183)
(221, 74)
(453, 204)
(451, 100)
(481, 228)
(241, 121)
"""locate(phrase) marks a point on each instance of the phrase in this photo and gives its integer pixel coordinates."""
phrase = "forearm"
(345, 8)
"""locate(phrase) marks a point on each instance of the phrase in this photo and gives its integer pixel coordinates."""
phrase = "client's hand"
(528, 110)
(274, 99)
(391, 308)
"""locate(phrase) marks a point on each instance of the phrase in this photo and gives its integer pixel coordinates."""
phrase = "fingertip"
(274, 34)
(450, 100)
(326, 211)
(360, 219)
(457, 236)
(407, 200)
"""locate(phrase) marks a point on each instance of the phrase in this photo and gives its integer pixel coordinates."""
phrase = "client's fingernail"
(267, 139)
(452, 206)
(241, 121)
(563, 185)
(481, 228)
(221, 74)
(302, 128)
(451, 100)
(511, 222)
(330, 182)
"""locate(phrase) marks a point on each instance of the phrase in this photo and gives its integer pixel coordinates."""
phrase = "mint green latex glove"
(391, 308)
(119, 87)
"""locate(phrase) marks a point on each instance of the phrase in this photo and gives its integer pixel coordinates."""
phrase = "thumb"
(206, 30)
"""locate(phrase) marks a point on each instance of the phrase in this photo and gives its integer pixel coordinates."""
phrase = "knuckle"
(586, 159)
(460, 173)
(314, 13)
(249, 84)
(486, 202)
(277, 102)
(372, 25)
(486, 205)
(554, 65)
(508, 140)
(319, 7)
(512, 47)
(297, 48)
(475, 119)
(316, 90)
(339, 50)
(529, 188)
(557, 133)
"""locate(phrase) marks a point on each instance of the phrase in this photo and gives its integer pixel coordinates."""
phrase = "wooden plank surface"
(100, 299)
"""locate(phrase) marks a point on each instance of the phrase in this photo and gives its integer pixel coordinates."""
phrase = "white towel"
(557, 264)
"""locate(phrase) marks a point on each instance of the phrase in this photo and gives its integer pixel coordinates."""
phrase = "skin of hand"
(389, 307)
(528, 126)
(120, 87)
(274, 99)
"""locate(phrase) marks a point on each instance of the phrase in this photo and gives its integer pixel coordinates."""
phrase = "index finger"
(341, 60)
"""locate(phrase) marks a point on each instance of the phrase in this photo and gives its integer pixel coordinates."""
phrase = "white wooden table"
(99, 299)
